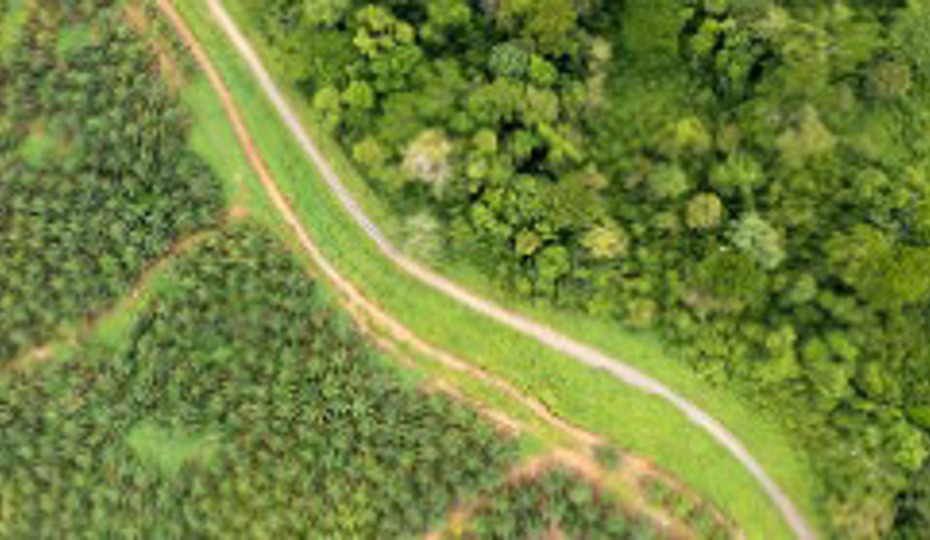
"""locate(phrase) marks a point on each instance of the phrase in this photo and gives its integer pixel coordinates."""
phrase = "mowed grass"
(630, 419)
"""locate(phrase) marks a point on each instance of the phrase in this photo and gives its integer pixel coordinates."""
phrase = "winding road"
(547, 336)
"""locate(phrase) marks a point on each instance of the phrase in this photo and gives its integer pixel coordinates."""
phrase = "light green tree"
(889, 79)
(758, 239)
(807, 140)
(606, 241)
(325, 12)
(740, 174)
(704, 211)
(427, 158)
(327, 103)
(370, 153)
(359, 96)
(668, 181)
(509, 60)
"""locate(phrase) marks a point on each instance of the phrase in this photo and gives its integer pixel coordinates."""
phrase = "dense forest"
(241, 407)
(748, 177)
(96, 180)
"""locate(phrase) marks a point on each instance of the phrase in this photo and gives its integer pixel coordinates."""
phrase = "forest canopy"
(747, 177)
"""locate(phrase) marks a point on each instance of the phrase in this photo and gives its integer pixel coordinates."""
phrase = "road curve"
(543, 334)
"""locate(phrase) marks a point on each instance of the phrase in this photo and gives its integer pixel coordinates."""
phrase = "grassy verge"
(630, 419)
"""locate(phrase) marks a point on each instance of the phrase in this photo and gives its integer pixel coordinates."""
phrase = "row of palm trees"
(555, 503)
(298, 429)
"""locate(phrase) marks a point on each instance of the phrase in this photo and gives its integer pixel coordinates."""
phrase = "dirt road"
(543, 334)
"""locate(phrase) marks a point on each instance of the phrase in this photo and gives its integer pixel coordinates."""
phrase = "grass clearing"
(44, 143)
(584, 396)
(73, 37)
(169, 450)
(37, 148)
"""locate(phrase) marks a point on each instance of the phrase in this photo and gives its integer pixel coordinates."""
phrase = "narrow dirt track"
(543, 334)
